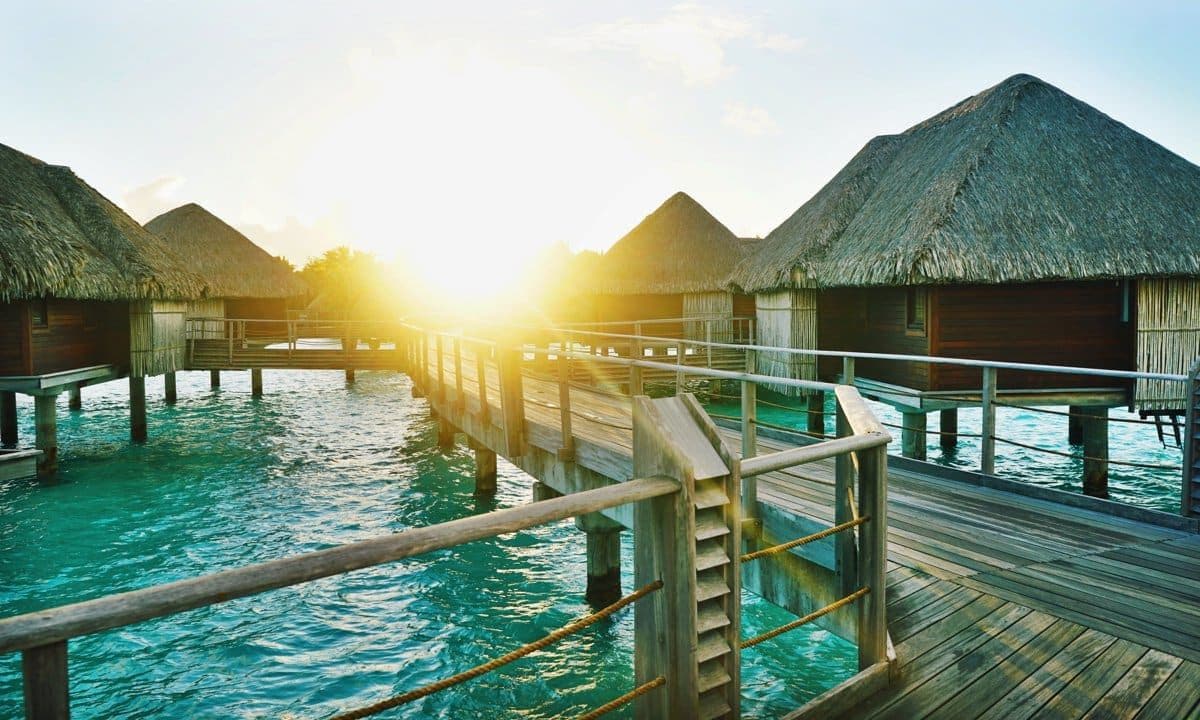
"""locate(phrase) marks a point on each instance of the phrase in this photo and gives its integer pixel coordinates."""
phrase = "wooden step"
(710, 554)
(710, 494)
(710, 616)
(710, 584)
(712, 645)
(713, 705)
(712, 675)
(710, 525)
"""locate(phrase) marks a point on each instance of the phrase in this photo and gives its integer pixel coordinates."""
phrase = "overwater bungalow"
(673, 264)
(1021, 224)
(86, 295)
(245, 281)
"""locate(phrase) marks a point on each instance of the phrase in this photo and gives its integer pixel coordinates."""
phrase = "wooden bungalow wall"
(714, 305)
(210, 328)
(787, 318)
(872, 320)
(1168, 337)
(77, 334)
(259, 309)
(156, 336)
(1060, 323)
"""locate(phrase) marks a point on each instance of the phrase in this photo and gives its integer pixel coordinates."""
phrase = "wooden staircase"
(674, 437)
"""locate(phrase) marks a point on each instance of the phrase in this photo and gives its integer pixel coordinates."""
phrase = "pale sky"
(482, 131)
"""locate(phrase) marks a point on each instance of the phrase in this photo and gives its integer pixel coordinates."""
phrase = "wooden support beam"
(1074, 425)
(815, 409)
(47, 695)
(350, 377)
(137, 408)
(170, 391)
(256, 385)
(912, 435)
(214, 379)
(8, 419)
(45, 410)
(872, 557)
(542, 491)
(485, 471)
(1095, 451)
(948, 424)
(349, 347)
(74, 398)
(445, 438)
(603, 567)
(512, 400)
(987, 443)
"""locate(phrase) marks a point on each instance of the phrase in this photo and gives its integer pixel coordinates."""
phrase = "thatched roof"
(1019, 183)
(60, 237)
(233, 265)
(678, 248)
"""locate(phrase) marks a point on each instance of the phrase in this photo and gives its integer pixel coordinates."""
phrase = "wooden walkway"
(221, 354)
(999, 605)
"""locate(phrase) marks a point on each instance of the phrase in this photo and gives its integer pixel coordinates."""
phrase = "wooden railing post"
(987, 462)
(566, 453)
(749, 437)
(439, 347)
(844, 551)
(460, 401)
(872, 556)
(708, 339)
(512, 398)
(680, 356)
(1189, 494)
(635, 353)
(47, 696)
(481, 358)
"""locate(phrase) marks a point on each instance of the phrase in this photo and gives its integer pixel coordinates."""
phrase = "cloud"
(749, 120)
(689, 39)
(152, 199)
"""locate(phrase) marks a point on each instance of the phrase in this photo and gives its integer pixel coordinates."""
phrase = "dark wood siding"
(743, 306)
(80, 334)
(1062, 323)
(259, 309)
(871, 320)
(14, 339)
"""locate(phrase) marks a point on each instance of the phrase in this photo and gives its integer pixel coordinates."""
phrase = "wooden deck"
(999, 605)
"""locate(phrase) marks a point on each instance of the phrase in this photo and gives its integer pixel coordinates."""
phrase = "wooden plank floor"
(999, 605)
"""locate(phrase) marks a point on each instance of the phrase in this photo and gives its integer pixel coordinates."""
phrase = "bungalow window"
(39, 315)
(914, 310)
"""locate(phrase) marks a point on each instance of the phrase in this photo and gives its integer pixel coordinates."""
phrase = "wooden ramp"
(999, 605)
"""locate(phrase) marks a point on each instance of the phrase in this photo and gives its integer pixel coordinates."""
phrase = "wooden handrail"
(812, 453)
(53, 625)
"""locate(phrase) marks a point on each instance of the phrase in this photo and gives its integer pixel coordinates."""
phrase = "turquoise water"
(226, 480)
(1156, 489)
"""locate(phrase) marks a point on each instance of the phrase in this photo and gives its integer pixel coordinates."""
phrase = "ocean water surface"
(226, 480)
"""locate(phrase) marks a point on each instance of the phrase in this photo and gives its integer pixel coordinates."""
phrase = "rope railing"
(783, 547)
(509, 657)
(1068, 413)
(625, 699)
(837, 604)
(1110, 461)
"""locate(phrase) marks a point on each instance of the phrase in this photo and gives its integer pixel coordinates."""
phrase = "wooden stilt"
(1075, 425)
(75, 398)
(948, 424)
(1095, 446)
(170, 394)
(445, 434)
(8, 419)
(815, 407)
(256, 388)
(485, 471)
(603, 567)
(542, 491)
(47, 695)
(214, 379)
(46, 429)
(912, 437)
(137, 408)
